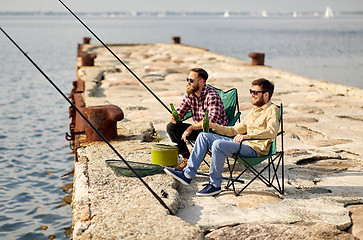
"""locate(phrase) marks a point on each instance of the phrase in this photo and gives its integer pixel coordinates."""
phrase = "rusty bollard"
(257, 58)
(176, 39)
(86, 40)
(104, 118)
(88, 59)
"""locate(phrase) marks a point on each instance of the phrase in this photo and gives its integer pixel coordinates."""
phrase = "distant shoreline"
(177, 13)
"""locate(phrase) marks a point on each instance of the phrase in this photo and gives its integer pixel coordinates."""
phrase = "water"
(34, 117)
(327, 49)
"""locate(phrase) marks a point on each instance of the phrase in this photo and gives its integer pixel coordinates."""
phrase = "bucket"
(163, 154)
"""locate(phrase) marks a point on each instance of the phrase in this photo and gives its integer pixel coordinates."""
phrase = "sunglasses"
(253, 92)
(190, 80)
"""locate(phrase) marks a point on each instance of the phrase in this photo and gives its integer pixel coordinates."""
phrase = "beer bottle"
(206, 122)
(174, 113)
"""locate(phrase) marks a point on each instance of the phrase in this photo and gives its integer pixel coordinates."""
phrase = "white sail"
(294, 14)
(328, 12)
(264, 13)
(226, 14)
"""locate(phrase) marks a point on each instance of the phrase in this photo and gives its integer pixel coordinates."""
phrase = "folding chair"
(230, 103)
(274, 168)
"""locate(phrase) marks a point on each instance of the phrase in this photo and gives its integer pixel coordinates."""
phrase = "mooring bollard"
(86, 40)
(257, 58)
(104, 118)
(88, 59)
(176, 39)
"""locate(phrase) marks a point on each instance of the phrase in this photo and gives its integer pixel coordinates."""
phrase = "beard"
(191, 89)
(258, 102)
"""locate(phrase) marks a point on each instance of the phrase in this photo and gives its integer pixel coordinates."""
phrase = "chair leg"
(258, 174)
(273, 165)
(230, 169)
(232, 180)
(280, 163)
(282, 174)
(269, 171)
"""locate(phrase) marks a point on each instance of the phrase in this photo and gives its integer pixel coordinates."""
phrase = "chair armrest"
(240, 145)
(279, 133)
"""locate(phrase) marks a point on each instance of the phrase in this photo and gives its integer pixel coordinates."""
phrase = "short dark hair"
(266, 86)
(201, 73)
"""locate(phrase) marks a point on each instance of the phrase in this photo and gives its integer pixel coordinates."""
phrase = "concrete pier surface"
(323, 123)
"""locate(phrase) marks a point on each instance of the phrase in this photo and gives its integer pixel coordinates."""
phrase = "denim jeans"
(221, 147)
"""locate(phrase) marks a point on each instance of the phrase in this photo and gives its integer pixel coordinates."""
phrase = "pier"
(323, 139)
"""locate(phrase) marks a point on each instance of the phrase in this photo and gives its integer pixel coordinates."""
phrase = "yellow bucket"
(163, 154)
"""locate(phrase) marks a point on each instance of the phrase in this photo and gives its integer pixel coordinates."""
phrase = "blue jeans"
(221, 148)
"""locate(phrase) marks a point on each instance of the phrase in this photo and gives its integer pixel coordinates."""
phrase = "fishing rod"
(94, 128)
(157, 98)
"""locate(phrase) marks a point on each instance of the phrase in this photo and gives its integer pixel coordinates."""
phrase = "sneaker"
(183, 164)
(209, 190)
(178, 175)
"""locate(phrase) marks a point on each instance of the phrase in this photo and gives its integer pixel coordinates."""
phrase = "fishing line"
(94, 128)
(114, 55)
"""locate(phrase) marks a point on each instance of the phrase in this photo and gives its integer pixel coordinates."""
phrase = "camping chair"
(230, 103)
(275, 164)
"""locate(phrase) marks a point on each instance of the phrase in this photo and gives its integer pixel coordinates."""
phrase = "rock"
(308, 109)
(250, 199)
(318, 190)
(358, 118)
(300, 120)
(357, 218)
(315, 155)
(142, 131)
(328, 142)
(326, 166)
(172, 94)
(295, 151)
(295, 231)
(176, 77)
(113, 79)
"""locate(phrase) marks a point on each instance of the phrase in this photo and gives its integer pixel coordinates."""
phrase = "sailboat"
(264, 13)
(161, 14)
(328, 13)
(294, 14)
(226, 14)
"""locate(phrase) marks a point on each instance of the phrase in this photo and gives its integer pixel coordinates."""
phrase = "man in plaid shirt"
(198, 98)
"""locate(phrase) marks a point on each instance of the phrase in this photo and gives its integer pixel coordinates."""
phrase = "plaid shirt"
(209, 99)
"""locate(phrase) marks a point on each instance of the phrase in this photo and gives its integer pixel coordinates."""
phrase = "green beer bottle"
(206, 122)
(174, 113)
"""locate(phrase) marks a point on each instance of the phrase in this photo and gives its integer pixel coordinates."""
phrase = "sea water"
(34, 117)
(326, 49)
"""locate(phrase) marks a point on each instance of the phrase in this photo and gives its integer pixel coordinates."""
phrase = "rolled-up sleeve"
(228, 131)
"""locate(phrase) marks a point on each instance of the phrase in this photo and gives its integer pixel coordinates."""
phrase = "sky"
(181, 5)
